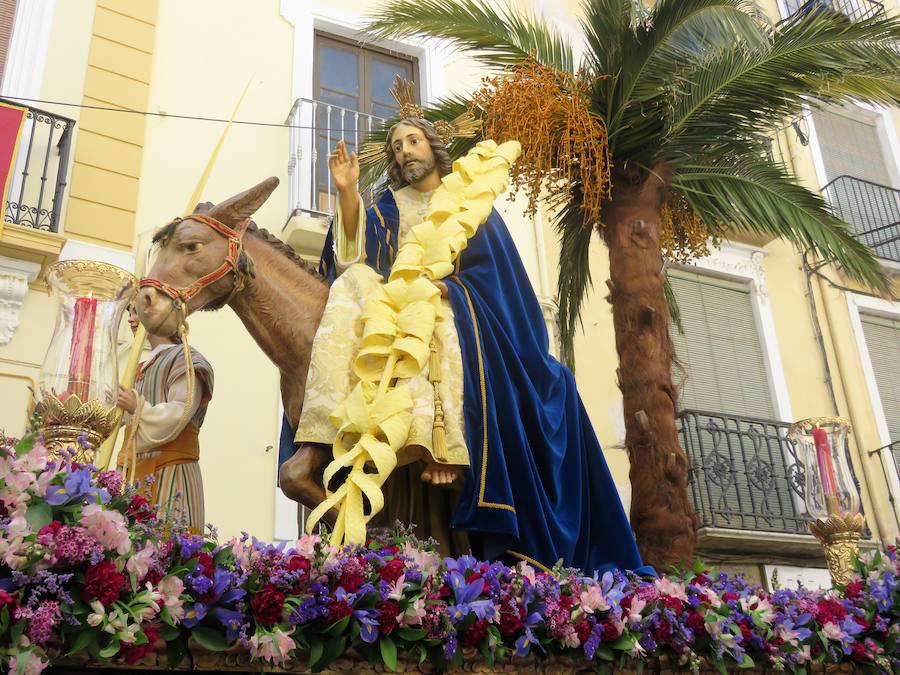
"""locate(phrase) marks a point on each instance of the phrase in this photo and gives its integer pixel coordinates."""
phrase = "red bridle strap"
(235, 246)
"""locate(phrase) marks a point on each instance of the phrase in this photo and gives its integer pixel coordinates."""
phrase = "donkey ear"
(235, 209)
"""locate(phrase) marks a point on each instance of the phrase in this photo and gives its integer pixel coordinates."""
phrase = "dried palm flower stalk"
(683, 236)
(564, 145)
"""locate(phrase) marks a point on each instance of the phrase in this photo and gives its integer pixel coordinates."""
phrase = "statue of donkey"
(277, 295)
(217, 256)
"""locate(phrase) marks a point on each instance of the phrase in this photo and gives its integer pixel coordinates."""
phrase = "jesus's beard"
(417, 171)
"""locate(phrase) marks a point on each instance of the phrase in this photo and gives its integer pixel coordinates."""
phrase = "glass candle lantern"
(78, 383)
(829, 485)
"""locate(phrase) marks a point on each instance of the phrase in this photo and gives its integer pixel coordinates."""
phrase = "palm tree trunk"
(661, 513)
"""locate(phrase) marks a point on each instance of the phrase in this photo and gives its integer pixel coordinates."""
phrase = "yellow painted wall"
(105, 175)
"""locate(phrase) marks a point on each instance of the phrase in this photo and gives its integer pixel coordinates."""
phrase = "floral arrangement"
(86, 566)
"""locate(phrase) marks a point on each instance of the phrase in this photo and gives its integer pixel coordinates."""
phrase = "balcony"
(854, 9)
(746, 484)
(38, 182)
(871, 210)
(315, 129)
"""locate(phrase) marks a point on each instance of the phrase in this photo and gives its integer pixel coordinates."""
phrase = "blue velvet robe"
(539, 488)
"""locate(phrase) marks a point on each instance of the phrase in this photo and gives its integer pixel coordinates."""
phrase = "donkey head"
(190, 251)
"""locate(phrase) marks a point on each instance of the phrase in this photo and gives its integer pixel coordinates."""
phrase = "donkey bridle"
(181, 296)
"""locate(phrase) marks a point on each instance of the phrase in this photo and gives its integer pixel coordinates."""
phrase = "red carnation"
(298, 563)
(510, 624)
(472, 576)
(476, 634)
(859, 652)
(392, 571)
(103, 582)
(50, 528)
(830, 610)
(566, 602)
(351, 579)
(583, 629)
(208, 564)
(853, 589)
(337, 611)
(154, 576)
(697, 624)
(387, 615)
(268, 605)
(672, 603)
(134, 653)
(728, 597)
(140, 509)
(746, 630)
(611, 631)
(9, 601)
(660, 633)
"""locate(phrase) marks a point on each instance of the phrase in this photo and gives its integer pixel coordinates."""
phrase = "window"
(883, 342)
(720, 349)
(352, 90)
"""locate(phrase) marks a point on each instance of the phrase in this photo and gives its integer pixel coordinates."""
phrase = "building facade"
(128, 100)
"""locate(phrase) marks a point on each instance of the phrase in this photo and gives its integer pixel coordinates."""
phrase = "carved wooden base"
(239, 662)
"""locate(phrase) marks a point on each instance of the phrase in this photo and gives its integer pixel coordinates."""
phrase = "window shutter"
(883, 342)
(7, 21)
(720, 349)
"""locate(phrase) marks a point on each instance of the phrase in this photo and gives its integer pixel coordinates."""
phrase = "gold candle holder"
(831, 496)
(75, 400)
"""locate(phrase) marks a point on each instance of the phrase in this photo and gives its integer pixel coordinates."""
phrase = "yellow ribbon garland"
(374, 420)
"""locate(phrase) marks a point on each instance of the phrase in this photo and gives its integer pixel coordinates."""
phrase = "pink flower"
(27, 663)
(272, 647)
(306, 545)
(592, 599)
(414, 613)
(427, 562)
(139, 563)
(171, 588)
(396, 588)
(833, 632)
(527, 572)
(106, 526)
(673, 588)
(634, 611)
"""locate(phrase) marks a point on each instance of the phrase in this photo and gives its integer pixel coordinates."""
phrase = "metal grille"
(316, 127)
(854, 9)
(744, 473)
(872, 210)
(38, 181)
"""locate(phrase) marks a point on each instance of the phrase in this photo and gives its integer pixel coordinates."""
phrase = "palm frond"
(735, 91)
(371, 175)
(755, 195)
(497, 37)
(672, 303)
(574, 275)
(675, 31)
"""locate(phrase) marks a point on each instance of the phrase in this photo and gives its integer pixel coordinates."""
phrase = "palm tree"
(688, 91)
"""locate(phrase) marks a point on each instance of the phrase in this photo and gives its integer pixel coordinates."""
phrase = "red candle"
(826, 466)
(82, 347)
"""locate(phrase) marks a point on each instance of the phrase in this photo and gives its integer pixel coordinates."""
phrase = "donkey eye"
(191, 247)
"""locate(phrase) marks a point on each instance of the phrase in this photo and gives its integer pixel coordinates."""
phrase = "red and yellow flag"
(12, 119)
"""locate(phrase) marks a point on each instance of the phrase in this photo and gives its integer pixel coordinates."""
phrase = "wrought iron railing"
(38, 182)
(745, 474)
(315, 129)
(854, 9)
(872, 210)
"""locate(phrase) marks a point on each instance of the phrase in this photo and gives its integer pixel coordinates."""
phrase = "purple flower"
(194, 615)
(77, 484)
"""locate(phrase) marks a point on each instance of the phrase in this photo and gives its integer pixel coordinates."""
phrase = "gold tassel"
(438, 433)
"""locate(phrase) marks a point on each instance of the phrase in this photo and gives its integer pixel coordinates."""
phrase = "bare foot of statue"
(441, 474)
(300, 477)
